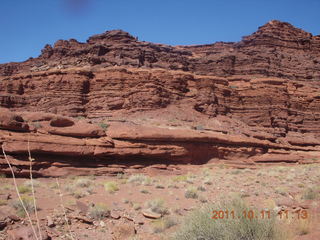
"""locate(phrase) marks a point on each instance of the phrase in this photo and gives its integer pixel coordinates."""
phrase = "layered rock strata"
(253, 102)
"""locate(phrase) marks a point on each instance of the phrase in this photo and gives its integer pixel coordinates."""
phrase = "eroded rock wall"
(251, 102)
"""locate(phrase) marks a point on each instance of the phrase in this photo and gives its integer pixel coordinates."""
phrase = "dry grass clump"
(5, 187)
(140, 179)
(3, 202)
(302, 226)
(311, 193)
(80, 193)
(180, 178)
(27, 202)
(191, 192)
(28, 183)
(98, 211)
(145, 191)
(136, 206)
(200, 225)
(79, 188)
(162, 224)
(24, 189)
(207, 181)
(83, 182)
(111, 187)
(160, 186)
(157, 206)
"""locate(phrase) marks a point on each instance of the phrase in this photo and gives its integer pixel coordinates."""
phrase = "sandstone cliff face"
(260, 95)
(277, 49)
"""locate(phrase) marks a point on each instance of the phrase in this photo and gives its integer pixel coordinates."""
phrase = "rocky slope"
(254, 101)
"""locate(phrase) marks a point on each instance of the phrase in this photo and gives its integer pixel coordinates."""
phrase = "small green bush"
(24, 189)
(28, 203)
(180, 178)
(103, 125)
(200, 225)
(111, 187)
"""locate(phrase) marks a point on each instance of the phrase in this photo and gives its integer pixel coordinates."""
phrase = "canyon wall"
(249, 102)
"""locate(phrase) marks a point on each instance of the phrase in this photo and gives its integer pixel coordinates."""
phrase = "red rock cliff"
(260, 95)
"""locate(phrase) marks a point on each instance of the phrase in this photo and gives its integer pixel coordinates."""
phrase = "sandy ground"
(124, 198)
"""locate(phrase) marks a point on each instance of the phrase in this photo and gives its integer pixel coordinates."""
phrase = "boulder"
(12, 121)
(25, 233)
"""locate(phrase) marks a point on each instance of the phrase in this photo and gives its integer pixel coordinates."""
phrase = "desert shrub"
(180, 178)
(5, 187)
(136, 206)
(160, 186)
(98, 211)
(310, 194)
(28, 203)
(157, 206)
(189, 178)
(134, 238)
(207, 181)
(83, 182)
(162, 224)
(120, 176)
(80, 118)
(103, 125)
(302, 226)
(191, 192)
(3, 202)
(281, 190)
(202, 199)
(53, 185)
(24, 189)
(145, 191)
(36, 125)
(79, 193)
(206, 172)
(111, 187)
(69, 188)
(201, 188)
(29, 183)
(235, 172)
(140, 179)
(79, 189)
(171, 185)
(200, 225)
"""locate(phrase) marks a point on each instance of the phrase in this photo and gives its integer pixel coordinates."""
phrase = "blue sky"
(27, 25)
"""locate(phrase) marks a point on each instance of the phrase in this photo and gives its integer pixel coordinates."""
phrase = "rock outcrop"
(251, 102)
